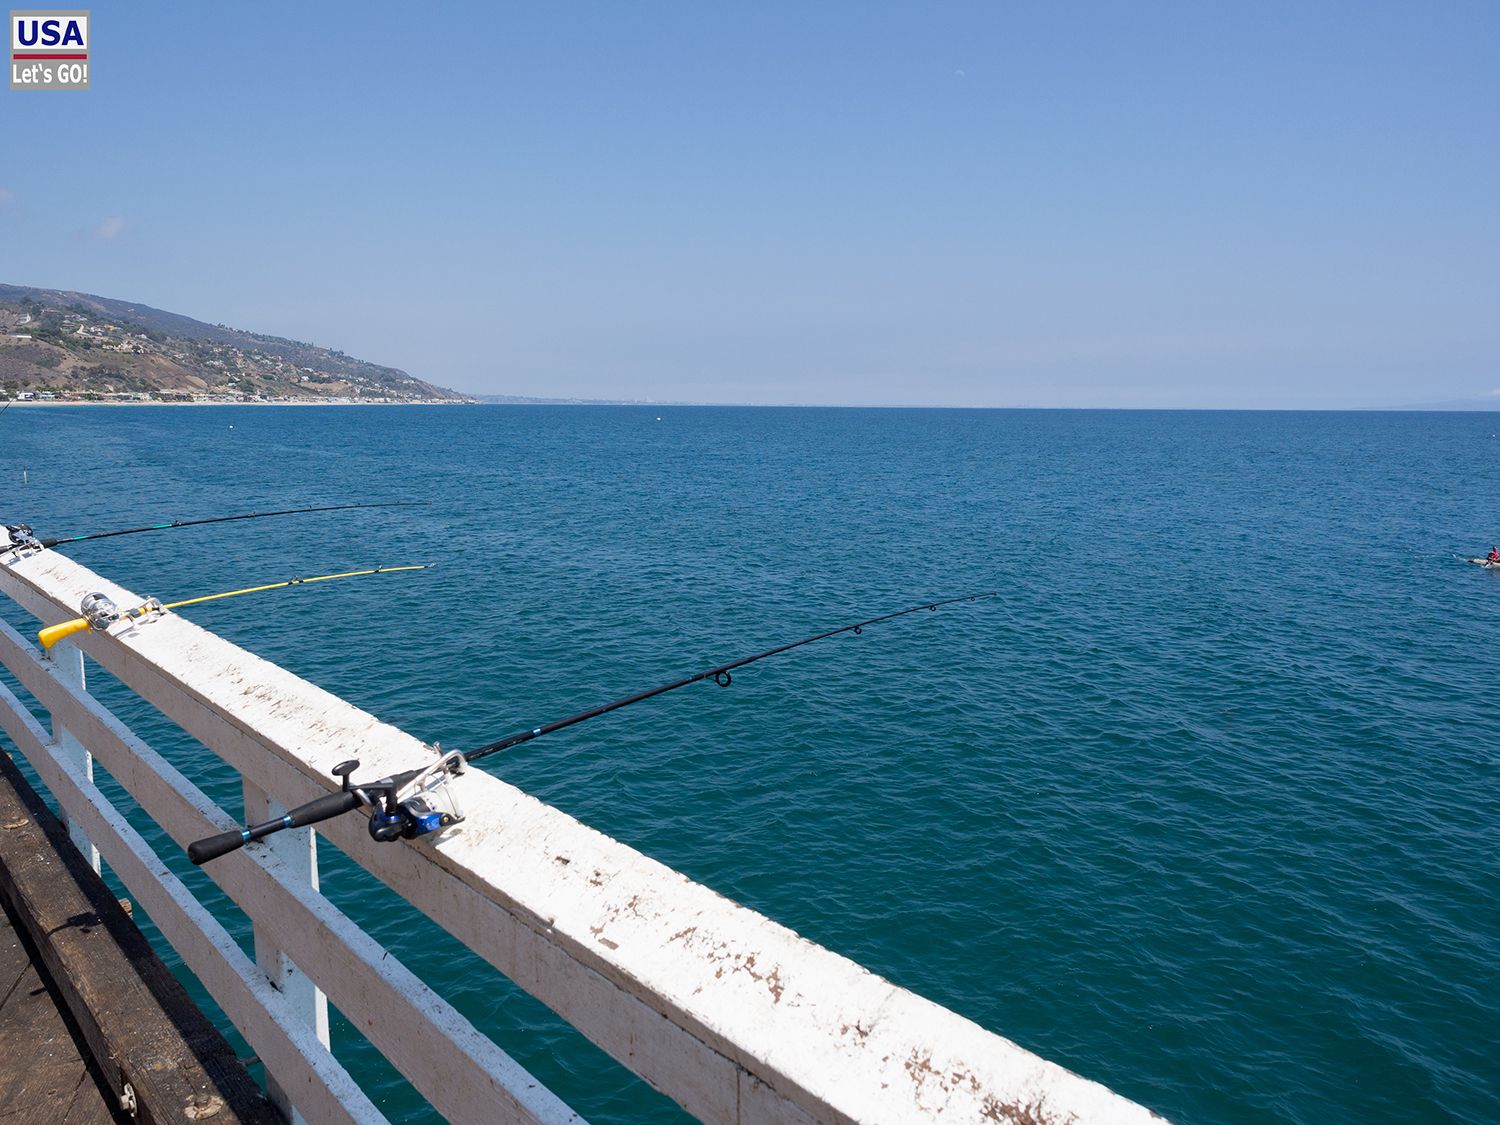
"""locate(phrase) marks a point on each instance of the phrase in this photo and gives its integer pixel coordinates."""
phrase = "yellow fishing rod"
(99, 612)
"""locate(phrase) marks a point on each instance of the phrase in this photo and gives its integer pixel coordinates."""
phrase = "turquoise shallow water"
(1204, 806)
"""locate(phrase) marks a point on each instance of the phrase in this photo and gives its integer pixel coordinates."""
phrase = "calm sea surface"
(1203, 807)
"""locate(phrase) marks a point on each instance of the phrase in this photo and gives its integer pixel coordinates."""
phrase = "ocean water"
(1204, 806)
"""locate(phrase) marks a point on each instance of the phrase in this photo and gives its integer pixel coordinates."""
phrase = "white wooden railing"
(733, 1016)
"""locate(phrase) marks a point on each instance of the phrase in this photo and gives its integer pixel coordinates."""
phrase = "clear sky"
(993, 204)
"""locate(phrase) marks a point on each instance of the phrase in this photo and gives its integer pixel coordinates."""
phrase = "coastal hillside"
(56, 344)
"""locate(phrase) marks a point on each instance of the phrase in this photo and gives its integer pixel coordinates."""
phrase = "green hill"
(76, 345)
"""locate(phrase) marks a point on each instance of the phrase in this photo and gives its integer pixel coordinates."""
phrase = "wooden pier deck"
(93, 1027)
(46, 1073)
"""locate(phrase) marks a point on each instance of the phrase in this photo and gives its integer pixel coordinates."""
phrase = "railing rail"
(733, 1016)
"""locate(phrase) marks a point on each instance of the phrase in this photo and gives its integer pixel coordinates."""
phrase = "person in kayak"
(1494, 555)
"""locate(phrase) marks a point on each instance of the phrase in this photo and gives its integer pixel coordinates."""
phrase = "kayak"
(1485, 563)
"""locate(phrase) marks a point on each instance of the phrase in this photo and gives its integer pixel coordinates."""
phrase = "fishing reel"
(408, 805)
(99, 611)
(21, 540)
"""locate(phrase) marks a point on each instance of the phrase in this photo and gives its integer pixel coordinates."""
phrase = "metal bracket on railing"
(101, 612)
(151, 607)
(20, 541)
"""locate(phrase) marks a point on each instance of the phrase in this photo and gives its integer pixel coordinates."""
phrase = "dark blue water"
(1204, 806)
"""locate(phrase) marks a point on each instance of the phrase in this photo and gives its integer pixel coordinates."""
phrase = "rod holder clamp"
(20, 541)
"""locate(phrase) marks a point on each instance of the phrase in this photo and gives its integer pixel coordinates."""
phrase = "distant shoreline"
(70, 403)
(1480, 409)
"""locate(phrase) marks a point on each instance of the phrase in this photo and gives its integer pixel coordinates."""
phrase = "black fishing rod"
(415, 802)
(21, 535)
(720, 674)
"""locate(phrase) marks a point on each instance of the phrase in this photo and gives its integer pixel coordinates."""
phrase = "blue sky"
(1264, 205)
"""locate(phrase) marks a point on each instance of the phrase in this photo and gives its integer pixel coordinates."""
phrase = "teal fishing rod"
(24, 538)
(415, 802)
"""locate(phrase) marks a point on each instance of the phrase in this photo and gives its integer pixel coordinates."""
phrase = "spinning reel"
(405, 806)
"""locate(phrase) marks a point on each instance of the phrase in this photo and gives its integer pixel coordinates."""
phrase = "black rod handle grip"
(212, 847)
(324, 808)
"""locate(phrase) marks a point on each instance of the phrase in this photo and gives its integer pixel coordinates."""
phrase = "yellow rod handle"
(54, 633)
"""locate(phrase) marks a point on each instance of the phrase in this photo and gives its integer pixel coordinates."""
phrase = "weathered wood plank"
(141, 1027)
(44, 1076)
(15, 962)
(88, 1108)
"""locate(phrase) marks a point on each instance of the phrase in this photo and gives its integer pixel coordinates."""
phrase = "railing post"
(67, 660)
(298, 850)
